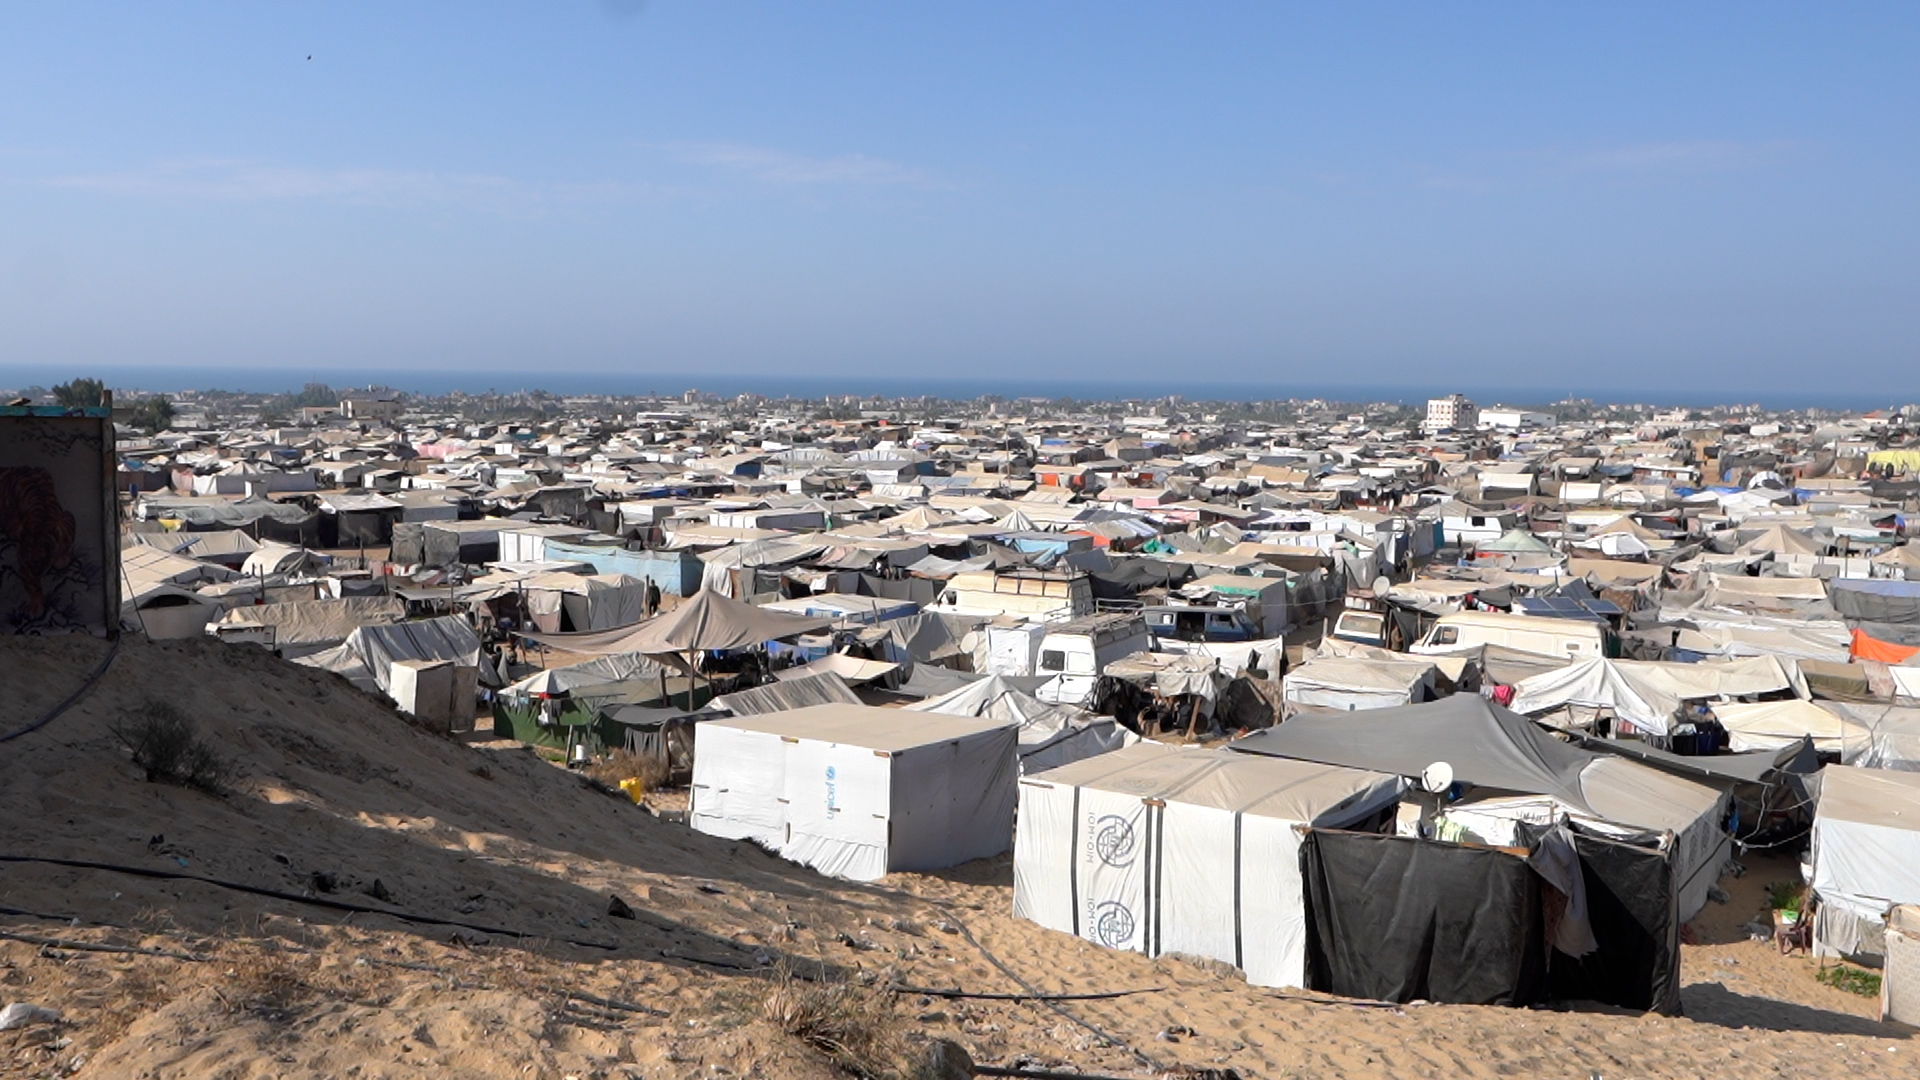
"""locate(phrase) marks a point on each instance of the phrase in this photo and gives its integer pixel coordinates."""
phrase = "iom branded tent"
(855, 791)
(1156, 849)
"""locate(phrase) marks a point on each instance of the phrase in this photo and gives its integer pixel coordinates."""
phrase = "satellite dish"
(1436, 778)
(1381, 585)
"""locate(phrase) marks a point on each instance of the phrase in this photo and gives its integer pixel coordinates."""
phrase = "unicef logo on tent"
(1113, 840)
(833, 791)
(1113, 925)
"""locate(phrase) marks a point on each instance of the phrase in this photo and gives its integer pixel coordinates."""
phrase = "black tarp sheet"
(1398, 919)
(1630, 904)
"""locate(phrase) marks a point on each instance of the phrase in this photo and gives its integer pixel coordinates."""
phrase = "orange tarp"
(1866, 647)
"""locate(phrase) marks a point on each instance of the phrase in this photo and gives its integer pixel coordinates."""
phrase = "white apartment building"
(1453, 412)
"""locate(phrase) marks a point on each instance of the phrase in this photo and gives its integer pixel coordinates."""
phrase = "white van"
(1566, 639)
(1075, 652)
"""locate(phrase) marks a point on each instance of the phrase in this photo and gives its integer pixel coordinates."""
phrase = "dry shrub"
(855, 1026)
(624, 763)
(165, 742)
(264, 983)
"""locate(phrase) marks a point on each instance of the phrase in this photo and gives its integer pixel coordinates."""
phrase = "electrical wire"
(71, 699)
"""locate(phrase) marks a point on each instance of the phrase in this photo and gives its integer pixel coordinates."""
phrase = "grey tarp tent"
(1496, 749)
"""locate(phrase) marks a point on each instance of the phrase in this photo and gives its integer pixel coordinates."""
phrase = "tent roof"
(1517, 542)
(821, 689)
(1871, 796)
(1241, 783)
(704, 622)
(1361, 673)
(890, 730)
(853, 669)
(1486, 745)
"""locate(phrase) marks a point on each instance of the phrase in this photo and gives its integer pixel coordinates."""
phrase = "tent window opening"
(1053, 660)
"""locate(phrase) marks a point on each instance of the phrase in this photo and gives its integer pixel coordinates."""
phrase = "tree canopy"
(80, 393)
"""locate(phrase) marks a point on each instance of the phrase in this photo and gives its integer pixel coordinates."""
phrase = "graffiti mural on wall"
(57, 544)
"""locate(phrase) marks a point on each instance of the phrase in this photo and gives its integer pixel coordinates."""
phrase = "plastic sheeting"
(1868, 647)
(445, 638)
(1647, 693)
(1154, 849)
(852, 669)
(1170, 675)
(1402, 919)
(1892, 736)
(1050, 735)
(825, 688)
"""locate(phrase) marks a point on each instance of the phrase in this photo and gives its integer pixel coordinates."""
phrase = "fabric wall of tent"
(1515, 774)
(1050, 735)
(1866, 856)
(1386, 921)
(577, 602)
(1157, 850)
(1345, 683)
(856, 792)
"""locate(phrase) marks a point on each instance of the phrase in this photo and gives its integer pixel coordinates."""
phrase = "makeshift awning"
(705, 622)
(853, 669)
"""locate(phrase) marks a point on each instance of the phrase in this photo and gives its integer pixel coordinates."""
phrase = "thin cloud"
(781, 167)
(1685, 156)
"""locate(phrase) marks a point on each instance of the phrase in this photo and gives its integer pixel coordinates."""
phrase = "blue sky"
(1698, 195)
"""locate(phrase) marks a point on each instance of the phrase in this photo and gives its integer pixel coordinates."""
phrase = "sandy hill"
(369, 900)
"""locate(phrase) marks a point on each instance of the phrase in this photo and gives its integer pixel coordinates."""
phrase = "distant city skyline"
(1705, 203)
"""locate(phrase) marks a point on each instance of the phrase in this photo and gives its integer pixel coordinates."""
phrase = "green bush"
(1852, 979)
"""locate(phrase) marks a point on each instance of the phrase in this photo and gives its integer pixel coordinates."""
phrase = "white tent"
(1050, 735)
(1771, 725)
(1866, 854)
(1893, 736)
(855, 791)
(1596, 684)
(1352, 682)
(1160, 850)
(1646, 694)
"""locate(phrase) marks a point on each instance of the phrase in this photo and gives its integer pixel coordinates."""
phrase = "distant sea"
(274, 379)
